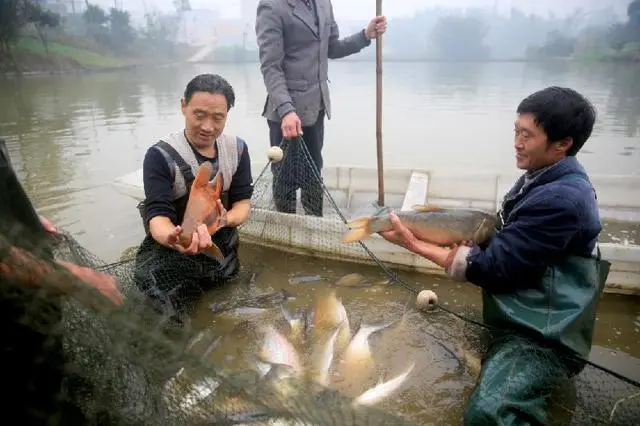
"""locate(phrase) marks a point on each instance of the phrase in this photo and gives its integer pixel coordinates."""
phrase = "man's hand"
(48, 226)
(400, 234)
(200, 240)
(291, 125)
(221, 220)
(376, 27)
(104, 283)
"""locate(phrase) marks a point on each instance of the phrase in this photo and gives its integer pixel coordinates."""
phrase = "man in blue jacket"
(540, 280)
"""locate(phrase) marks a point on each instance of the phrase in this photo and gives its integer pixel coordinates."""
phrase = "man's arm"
(160, 213)
(518, 255)
(241, 190)
(60, 277)
(348, 46)
(270, 38)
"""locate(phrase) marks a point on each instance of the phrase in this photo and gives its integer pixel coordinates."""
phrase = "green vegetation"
(35, 39)
(85, 58)
(618, 42)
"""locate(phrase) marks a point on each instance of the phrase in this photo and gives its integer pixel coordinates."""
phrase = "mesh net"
(122, 365)
(75, 355)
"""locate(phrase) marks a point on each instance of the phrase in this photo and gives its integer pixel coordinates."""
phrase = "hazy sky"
(362, 9)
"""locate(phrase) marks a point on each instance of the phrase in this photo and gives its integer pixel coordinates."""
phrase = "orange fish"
(202, 207)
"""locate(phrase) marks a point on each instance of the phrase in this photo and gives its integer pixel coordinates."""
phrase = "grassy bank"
(66, 54)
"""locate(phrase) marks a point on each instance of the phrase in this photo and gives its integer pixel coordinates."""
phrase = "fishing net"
(121, 365)
(286, 215)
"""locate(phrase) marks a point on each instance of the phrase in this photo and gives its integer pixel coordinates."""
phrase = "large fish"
(202, 207)
(441, 226)
(329, 313)
(357, 362)
(383, 390)
(322, 358)
(276, 349)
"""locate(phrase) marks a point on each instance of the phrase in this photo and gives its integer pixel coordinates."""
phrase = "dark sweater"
(158, 182)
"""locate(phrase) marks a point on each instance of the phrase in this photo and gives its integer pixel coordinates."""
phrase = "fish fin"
(216, 184)
(356, 235)
(212, 347)
(426, 208)
(361, 222)
(215, 252)
(203, 175)
(382, 211)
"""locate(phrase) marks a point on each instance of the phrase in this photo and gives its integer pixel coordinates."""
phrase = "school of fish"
(319, 349)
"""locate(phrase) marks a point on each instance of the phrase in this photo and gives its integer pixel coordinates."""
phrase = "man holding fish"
(198, 187)
(539, 276)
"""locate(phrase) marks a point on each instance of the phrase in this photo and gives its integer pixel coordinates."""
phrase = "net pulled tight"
(74, 357)
(296, 208)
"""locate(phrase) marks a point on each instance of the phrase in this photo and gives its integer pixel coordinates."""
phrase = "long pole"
(379, 109)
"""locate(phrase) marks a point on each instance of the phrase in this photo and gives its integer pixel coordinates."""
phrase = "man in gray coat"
(296, 39)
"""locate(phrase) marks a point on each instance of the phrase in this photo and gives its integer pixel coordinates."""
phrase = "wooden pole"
(379, 109)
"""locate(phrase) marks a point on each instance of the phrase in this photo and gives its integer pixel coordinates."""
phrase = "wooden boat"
(354, 189)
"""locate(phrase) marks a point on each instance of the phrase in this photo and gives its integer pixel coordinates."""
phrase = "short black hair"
(210, 83)
(562, 113)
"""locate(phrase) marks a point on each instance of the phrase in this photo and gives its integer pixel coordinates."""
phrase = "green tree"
(16, 14)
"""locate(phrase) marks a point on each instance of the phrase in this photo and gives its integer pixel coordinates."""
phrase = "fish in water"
(261, 301)
(383, 390)
(297, 325)
(202, 207)
(276, 349)
(430, 223)
(352, 280)
(322, 360)
(357, 361)
(329, 313)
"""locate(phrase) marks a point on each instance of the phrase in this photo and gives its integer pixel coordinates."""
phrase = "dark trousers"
(294, 171)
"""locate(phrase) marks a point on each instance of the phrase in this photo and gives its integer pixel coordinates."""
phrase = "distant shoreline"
(38, 64)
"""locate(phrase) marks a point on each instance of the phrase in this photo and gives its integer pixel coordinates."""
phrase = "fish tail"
(215, 252)
(359, 230)
(369, 329)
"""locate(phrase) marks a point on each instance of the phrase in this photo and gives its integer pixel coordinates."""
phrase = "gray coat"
(294, 56)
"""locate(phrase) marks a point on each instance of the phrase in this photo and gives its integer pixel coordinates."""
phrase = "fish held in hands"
(202, 207)
(430, 223)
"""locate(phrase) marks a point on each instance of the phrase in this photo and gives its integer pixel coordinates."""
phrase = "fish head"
(329, 311)
(485, 230)
(202, 205)
(277, 349)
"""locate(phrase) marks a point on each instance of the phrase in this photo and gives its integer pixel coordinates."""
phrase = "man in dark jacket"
(539, 277)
